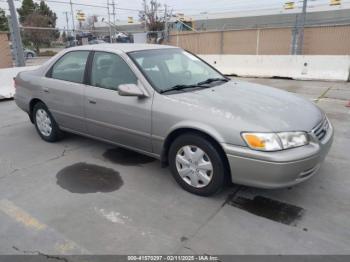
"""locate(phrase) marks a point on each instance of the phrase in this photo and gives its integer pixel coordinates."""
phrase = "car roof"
(122, 47)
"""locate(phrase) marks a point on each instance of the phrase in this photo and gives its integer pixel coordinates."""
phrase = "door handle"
(46, 89)
(91, 101)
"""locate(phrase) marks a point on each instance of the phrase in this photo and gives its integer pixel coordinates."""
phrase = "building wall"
(5, 51)
(321, 40)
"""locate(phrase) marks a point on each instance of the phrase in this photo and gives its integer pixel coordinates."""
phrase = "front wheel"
(45, 124)
(197, 165)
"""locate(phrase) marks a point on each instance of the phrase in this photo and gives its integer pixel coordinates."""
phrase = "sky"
(188, 7)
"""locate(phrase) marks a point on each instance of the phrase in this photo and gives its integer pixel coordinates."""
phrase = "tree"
(38, 15)
(150, 16)
(89, 24)
(64, 36)
(3, 21)
(28, 7)
(153, 20)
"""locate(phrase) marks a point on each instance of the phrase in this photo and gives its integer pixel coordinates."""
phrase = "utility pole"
(16, 35)
(66, 13)
(114, 20)
(109, 23)
(72, 13)
(166, 22)
(145, 12)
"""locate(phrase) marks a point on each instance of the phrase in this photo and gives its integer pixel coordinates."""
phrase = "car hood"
(254, 107)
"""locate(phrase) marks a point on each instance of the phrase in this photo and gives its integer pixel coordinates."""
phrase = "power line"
(89, 5)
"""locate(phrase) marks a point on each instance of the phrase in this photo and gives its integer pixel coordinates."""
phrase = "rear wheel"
(45, 124)
(197, 164)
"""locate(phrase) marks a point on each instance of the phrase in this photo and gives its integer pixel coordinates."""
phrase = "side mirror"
(130, 90)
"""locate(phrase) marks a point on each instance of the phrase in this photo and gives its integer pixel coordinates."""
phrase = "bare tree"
(150, 16)
(89, 24)
(39, 37)
(153, 17)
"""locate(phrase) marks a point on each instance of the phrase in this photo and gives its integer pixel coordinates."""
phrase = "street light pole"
(16, 35)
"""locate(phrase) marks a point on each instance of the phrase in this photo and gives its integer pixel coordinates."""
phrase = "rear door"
(64, 90)
(119, 119)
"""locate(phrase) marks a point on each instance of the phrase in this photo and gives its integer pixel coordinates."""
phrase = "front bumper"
(277, 169)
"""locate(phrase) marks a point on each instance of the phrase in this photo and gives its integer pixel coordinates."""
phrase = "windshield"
(168, 68)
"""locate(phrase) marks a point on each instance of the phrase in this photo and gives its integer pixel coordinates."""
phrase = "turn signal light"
(255, 141)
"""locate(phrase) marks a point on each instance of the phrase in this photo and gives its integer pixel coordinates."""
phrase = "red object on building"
(348, 104)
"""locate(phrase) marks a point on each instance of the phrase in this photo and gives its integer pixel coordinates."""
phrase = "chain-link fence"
(36, 53)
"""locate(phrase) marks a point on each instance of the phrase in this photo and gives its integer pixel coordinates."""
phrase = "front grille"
(321, 129)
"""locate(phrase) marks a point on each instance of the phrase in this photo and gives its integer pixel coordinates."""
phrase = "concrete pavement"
(131, 205)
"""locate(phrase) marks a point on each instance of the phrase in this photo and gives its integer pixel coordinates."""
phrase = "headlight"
(293, 139)
(275, 141)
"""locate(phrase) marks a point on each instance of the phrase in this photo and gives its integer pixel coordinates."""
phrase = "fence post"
(177, 38)
(222, 42)
(257, 41)
(198, 44)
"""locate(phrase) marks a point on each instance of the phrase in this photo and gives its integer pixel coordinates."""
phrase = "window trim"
(49, 72)
(88, 69)
(90, 63)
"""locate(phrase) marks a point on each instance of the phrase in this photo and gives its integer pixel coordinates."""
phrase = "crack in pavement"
(64, 153)
(14, 124)
(33, 165)
(35, 252)
(189, 237)
(191, 249)
(59, 156)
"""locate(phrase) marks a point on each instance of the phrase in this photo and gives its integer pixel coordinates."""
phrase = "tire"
(45, 124)
(29, 55)
(196, 175)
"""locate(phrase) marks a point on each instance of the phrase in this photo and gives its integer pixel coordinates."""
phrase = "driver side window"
(110, 70)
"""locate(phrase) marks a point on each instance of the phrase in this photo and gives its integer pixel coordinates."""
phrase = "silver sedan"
(169, 104)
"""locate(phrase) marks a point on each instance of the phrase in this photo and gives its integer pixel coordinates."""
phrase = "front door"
(109, 116)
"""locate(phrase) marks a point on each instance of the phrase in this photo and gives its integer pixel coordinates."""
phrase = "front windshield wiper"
(179, 87)
(200, 84)
(211, 80)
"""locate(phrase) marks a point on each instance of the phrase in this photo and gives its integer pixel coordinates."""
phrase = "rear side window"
(110, 70)
(71, 67)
